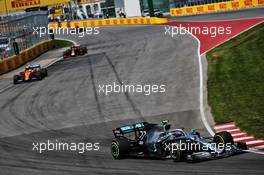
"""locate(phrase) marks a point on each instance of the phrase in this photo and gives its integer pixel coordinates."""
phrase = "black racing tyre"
(39, 75)
(45, 72)
(15, 79)
(85, 50)
(223, 137)
(119, 147)
(176, 154)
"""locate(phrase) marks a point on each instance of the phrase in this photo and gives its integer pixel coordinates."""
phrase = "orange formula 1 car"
(74, 51)
(31, 72)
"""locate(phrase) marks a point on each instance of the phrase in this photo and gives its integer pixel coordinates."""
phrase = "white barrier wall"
(119, 4)
(130, 7)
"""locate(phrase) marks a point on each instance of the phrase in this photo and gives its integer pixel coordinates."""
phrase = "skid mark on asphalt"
(39, 119)
(6, 88)
(11, 100)
(95, 91)
(133, 105)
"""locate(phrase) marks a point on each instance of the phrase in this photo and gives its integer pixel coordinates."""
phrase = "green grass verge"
(236, 81)
(57, 44)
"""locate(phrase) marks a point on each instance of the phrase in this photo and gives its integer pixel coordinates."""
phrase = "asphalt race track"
(67, 106)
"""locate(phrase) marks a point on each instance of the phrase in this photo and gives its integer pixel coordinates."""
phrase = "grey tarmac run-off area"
(67, 106)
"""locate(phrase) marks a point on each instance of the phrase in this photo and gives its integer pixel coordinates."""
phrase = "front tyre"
(119, 148)
(223, 137)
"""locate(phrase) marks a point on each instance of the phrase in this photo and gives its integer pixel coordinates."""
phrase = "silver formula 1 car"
(159, 141)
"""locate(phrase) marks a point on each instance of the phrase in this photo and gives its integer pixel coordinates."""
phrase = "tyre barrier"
(216, 7)
(110, 22)
(25, 56)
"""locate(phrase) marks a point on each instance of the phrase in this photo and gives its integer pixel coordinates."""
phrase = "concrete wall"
(25, 56)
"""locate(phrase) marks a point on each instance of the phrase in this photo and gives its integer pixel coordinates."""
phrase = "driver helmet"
(165, 122)
(27, 66)
(166, 125)
(195, 132)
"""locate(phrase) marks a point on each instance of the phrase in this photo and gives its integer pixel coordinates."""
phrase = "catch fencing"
(17, 32)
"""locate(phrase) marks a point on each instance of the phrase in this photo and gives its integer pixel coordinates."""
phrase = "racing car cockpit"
(154, 134)
(194, 135)
(176, 133)
(30, 67)
(160, 133)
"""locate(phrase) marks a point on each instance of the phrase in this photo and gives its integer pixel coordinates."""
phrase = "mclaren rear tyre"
(223, 137)
(39, 75)
(45, 72)
(119, 148)
(81, 53)
(85, 50)
(16, 79)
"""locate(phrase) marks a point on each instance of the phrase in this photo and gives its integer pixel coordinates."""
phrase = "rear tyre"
(39, 75)
(45, 72)
(85, 50)
(176, 154)
(223, 137)
(15, 79)
(119, 148)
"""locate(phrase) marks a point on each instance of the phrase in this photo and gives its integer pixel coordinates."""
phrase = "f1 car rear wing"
(130, 128)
